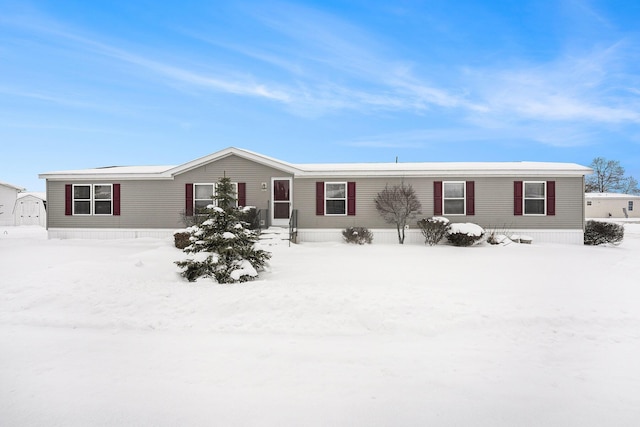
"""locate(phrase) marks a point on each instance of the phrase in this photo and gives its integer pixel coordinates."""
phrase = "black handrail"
(293, 226)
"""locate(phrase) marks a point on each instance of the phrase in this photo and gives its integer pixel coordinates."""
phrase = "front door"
(281, 201)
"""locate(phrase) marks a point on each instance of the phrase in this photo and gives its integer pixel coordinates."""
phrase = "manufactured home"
(317, 201)
(8, 196)
(612, 205)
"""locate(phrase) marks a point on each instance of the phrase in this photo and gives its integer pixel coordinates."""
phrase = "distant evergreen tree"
(222, 246)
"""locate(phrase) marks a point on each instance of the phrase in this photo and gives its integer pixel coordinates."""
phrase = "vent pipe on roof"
(396, 159)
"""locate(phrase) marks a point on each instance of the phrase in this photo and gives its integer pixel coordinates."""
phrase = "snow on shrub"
(357, 235)
(434, 229)
(599, 233)
(464, 234)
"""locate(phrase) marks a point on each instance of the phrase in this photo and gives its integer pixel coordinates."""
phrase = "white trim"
(346, 198)
(280, 222)
(464, 198)
(524, 197)
(92, 199)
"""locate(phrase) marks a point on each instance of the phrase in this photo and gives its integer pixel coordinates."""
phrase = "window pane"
(202, 204)
(336, 207)
(103, 208)
(102, 192)
(453, 189)
(630, 205)
(281, 190)
(534, 207)
(454, 207)
(81, 191)
(81, 208)
(534, 190)
(204, 191)
(336, 191)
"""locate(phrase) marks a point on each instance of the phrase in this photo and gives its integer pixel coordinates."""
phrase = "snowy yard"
(105, 333)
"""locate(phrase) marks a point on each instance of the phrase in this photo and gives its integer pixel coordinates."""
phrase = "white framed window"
(454, 197)
(335, 198)
(203, 194)
(92, 199)
(535, 197)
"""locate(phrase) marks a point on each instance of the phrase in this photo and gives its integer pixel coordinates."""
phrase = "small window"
(82, 200)
(630, 205)
(453, 199)
(588, 202)
(335, 198)
(203, 195)
(102, 199)
(94, 199)
(535, 198)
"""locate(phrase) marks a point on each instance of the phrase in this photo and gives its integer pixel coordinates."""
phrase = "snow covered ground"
(105, 333)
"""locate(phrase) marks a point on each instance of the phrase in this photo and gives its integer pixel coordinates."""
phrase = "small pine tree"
(222, 246)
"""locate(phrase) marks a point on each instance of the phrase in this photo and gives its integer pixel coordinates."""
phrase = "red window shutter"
(68, 199)
(551, 197)
(116, 199)
(437, 198)
(517, 198)
(351, 198)
(188, 204)
(319, 198)
(242, 194)
(471, 198)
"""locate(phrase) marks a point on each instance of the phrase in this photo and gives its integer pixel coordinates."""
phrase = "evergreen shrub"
(357, 235)
(464, 234)
(599, 233)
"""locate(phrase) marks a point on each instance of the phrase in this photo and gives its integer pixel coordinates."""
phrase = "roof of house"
(15, 187)
(611, 196)
(331, 169)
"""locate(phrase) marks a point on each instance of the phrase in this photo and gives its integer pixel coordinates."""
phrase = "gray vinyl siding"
(493, 203)
(161, 203)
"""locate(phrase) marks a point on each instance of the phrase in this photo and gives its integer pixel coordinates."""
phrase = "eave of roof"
(418, 169)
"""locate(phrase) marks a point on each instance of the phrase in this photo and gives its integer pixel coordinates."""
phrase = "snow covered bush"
(181, 239)
(433, 229)
(464, 234)
(222, 247)
(357, 235)
(598, 233)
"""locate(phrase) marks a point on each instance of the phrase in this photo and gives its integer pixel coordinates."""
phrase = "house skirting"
(109, 233)
(412, 236)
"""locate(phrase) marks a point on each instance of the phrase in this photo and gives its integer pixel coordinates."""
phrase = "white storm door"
(281, 201)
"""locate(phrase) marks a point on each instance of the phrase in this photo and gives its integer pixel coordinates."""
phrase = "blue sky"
(97, 83)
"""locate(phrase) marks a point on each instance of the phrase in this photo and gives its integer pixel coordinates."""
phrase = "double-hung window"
(92, 199)
(630, 205)
(335, 198)
(203, 195)
(453, 200)
(535, 197)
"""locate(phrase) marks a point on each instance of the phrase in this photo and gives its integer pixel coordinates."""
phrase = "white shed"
(612, 205)
(8, 196)
(30, 209)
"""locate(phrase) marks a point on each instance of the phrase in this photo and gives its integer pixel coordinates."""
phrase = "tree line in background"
(609, 177)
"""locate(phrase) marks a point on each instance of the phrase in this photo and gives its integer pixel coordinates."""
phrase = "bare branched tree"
(397, 205)
(608, 176)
